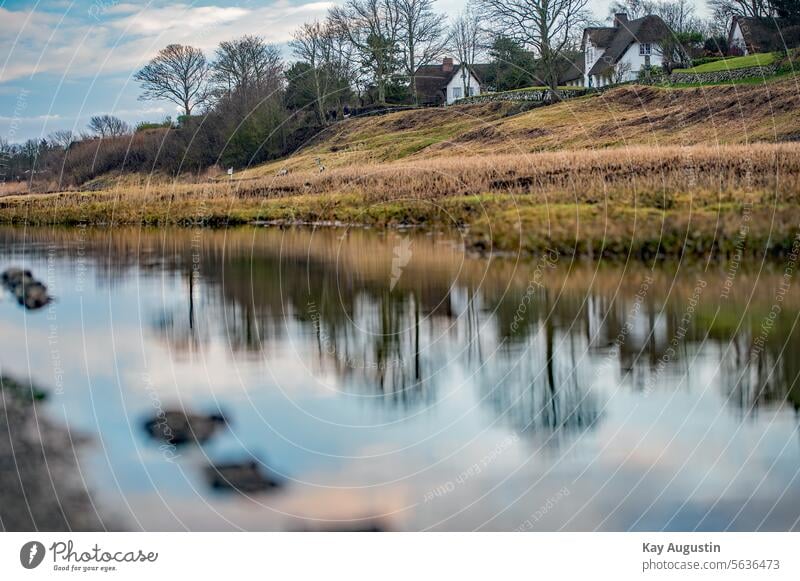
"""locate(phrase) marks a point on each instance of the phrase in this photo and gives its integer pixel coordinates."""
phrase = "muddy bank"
(40, 481)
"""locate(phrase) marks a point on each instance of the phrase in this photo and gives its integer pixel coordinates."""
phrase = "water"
(394, 382)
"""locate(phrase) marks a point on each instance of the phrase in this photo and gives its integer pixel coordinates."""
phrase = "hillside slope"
(626, 116)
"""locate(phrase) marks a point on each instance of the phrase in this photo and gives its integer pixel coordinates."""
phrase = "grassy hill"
(733, 63)
(635, 170)
(626, 116)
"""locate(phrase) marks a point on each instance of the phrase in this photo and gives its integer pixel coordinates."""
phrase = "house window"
(457, 93)
(471, 91)
(644, 49)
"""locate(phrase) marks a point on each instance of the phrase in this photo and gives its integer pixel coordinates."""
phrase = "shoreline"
(636, 202)
(43, 486)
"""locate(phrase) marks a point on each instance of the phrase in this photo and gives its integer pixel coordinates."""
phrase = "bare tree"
(313, 43)
(620, 71)
(467, 40)
(177, 74)
(423, 37)
(680, 15)
(547, 26)
(633, 8)
(63, 138)
(726, 9)
(248, 67)
(108, 126)
(373, 28)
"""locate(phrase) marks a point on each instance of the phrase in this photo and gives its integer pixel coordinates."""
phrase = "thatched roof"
(572, 69)
(766, 34)
(431, 81)
(617, 39)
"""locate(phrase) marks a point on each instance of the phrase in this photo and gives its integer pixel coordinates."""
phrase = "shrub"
(707, 59)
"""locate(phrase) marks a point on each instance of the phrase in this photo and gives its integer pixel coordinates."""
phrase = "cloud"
(35, 118)
(125, 36)
(179, 18)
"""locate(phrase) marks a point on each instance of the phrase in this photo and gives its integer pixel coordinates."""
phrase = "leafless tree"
(633, 8)
(467, 38)
(248, 67)
(619, 72)
(679, 15)
(423, 37)
(318, 45)
(62, 138)
(726, 9)
(549, 27)
(108, 126)
(177, 74)
(373, 28)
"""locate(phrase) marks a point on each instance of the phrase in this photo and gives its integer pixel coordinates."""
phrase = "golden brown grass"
(13, 188)
(627, 116)
(643, 201)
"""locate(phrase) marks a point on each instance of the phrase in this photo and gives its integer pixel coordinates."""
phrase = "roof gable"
(650, 28)
(765, 34)
(432, 80)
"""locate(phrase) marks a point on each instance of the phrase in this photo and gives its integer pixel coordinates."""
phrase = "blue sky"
(62, 61)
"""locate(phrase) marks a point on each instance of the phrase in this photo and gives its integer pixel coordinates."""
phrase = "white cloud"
(178, 18)
(35, 118)
(127, 36)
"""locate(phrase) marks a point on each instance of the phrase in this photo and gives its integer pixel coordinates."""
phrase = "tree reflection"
(329, 295)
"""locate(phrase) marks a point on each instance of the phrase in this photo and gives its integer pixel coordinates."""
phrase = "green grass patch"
(729, 64)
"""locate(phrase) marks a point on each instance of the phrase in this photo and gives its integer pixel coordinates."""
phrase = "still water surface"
(391, 381)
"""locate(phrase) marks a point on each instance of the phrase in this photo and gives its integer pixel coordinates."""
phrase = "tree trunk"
(320, 105)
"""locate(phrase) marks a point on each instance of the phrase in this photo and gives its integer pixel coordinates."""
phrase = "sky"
(62, 61)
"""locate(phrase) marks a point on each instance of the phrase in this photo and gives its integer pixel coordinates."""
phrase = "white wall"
(458, 83)
(634, 61)
(592, 55)
(737, 39)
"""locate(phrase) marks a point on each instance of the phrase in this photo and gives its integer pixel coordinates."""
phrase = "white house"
(445, 83)
(753, 35)
(616, 54)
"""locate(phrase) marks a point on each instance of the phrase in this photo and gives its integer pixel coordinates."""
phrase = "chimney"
(620, 18)
(447, 65)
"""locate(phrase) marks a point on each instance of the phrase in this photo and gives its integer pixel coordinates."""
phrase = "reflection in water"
(372, 382)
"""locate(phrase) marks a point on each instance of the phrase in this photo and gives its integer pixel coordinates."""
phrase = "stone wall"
(523, 95)
(543, 95)
(715, 77)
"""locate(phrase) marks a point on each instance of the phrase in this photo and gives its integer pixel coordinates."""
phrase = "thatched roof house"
(753, 35)
(617, 53)
(444, 83)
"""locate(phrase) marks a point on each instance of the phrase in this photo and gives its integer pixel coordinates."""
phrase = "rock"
(366, 526)
(178, 427)
(29, 292)
(243, 477)
(41, 485)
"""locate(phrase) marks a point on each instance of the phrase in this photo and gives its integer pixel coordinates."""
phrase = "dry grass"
(13, 188)
(616, 202)
(627, 116)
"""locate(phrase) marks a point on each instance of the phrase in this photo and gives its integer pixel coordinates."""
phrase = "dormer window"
(644, 49)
